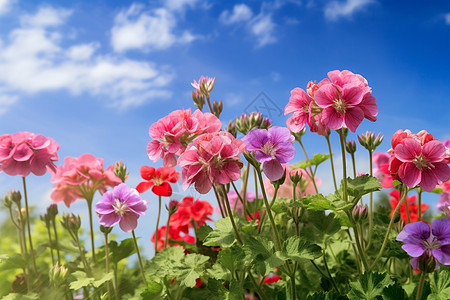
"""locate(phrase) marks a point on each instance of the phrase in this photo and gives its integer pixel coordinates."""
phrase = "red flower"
(271, 278)
(413, 207)
(190, 211)
(158, 179)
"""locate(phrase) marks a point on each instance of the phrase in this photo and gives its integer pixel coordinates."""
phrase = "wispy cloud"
(5, 6)
(336, 10)
(447, 18)
(261, 26)
(34, 59)
(138, 29)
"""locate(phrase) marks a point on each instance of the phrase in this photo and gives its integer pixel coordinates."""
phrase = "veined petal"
(128, 222)
(353, 117)
(273, 169)
(441, 230)
(434, 151)
(409, 174)
(147, 172)
(408, 150)
(325, 95)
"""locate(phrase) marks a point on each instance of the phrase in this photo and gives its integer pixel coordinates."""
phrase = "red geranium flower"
(413, 207)
(158, 180)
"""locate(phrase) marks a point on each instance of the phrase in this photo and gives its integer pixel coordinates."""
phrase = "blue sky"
(94, 75)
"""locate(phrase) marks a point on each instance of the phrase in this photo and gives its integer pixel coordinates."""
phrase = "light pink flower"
(305, 187)
(213, 159)
(173, 133)
(80, 177)
(381, 169)
(419, 160)
(204, 85)
(25, 152)
(236, 204)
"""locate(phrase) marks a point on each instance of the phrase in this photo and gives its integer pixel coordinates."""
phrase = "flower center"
(120, 207)
(340, 106)
(431, 243)
(268, 149)
(420, 161)
(158, 181)
(306, 109)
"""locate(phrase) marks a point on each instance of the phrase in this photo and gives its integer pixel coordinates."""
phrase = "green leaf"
(16, 261)
(315, 161)
(153, 289)
(202, 232)
(317, 202)
(394, 292)
(193, 268)
(260, 252)
(326, 296)
(440, 285)
(122, 250)
(436, 191)
(107, 277)
(369, 286)
(81, 280)
(327, 224)
(299, 250)
(165, 262)
(15, 296)
(396, 183)
(222, 236)
(362, 185)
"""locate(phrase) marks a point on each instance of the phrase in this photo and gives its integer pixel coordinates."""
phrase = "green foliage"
(122, 250)
(222, 235)
(14, 296)
(82, 280)
(315, 161)
(440, 285)
(369, 286)
(299, 250)
(394, 292)
(362, 185)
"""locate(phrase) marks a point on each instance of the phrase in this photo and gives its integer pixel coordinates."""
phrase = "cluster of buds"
(12, 197)
(231, 128)
(350, 146)
(360, 212)
(50, 216)
(254, 120)
(199, 100)
(120, 170)
(58, 275)
(71, 223)
(203, 89)
(217, 108)
(369, 141)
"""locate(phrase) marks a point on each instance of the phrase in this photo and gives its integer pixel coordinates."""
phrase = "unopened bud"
(254, 120)
(427, 262)
(58, 274)
(217, 108)
(369, 141)
(120, 170)
(199, 99)
(350, 146)
(298, 135)
(360, 212)
(12, 197)
(52, 210)
(173, 207)
(296, 177)
(7, 202)
(71, 222)
(105, 230)
(231, 128)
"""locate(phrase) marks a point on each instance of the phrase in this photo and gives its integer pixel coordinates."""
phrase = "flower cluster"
(188, 212)
(418, 159)
(158, 180)
(344, 100)
(80, 177)
(212, 159)
(173, 133)
(23, 153)
(121, 205)
(413, 207)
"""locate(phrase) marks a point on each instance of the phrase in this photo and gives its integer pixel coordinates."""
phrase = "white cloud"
(260, 26)
(5, 6)
(335, 10)
(447, 18)
(135, 28)
(33, 60)
(240, 13)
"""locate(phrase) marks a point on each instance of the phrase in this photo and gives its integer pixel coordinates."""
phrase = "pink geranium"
(23, 153)
(213, 159)
(418, 159)
(381, 169)
(173, 133)
(80, 177)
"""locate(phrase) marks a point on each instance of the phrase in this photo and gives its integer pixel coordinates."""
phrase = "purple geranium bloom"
(121, 205)
(422, 244)
(273, 147)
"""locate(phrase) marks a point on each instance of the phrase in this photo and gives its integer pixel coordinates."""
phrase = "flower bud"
(105, 230)
(52, 211)
(19, 285)
(58, 274)
(231, 128)
(173, 207)
(12, 197)
(120, 170)
(360, 212)
(350, 146)
(295, 177)
(345, 132)
(7, 202)
(206, 85)
(217, 108)
(427, 262)
(369, 141)
(298, 135)
(71, 222)
(199, 99)
(46, 220)
(254, 120)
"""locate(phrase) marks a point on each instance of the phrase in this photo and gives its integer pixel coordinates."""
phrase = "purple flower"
(423, 245)
(121, 205)
(273, 147)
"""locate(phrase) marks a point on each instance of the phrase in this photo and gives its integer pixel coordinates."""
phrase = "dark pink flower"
(23, 153)
(121, 205)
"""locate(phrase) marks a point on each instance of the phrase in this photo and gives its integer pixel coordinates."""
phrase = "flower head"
(423, 244)
(121, 205)
(23, 153)
(212, 159)
(158, 180)
(204, 85)
(272, 147)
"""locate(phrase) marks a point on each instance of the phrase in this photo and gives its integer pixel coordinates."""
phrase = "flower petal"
(441, 230)
(128, 222)
(434, 151)
(409, 174)
(144, 186)
(109, 220)
(408, 150)
(147, 172)
(442, 254)
(164, 190)
(273, 169)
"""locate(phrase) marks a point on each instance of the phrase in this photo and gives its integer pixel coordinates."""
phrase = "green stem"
(243, 201)
(139, 256)
(344, 165)
(269, 212)
(420, 286)
(327, 137)
(328, 272)
(354, 165)
(83, 258)
(27, 216)
(51, 245)
(157, 225)
(369, 238)
(405, 190)
(209, 104)
(419, 194)
(310, 169)
(56, 241)
(263, 215)
(91, 225)
(358, 263)
(116, 282)
(362, 253)
(107, 263)
(167, 231)
(230, 213)
(386, 237)
(260, 292)
(293, 289)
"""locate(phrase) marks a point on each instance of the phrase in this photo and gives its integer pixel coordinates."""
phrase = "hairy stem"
(141, 266)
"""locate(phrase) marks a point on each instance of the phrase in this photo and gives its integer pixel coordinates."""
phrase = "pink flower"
(122, 205)
(305, 187)
(80, 177)
(213, 159)
(25, 152)
(173, 133)
(346, 101)
(204, 85)
(418, 160)
(381, 169)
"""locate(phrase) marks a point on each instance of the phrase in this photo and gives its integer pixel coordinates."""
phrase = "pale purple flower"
(422, 244)
(273, 147)
(121, 205)
(443, 203)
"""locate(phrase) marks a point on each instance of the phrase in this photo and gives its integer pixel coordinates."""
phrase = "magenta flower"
(299, 104)
(23, 153)
(213, 159)
(422, 164)
(121, 205)
(423, 245)
(272, 147)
